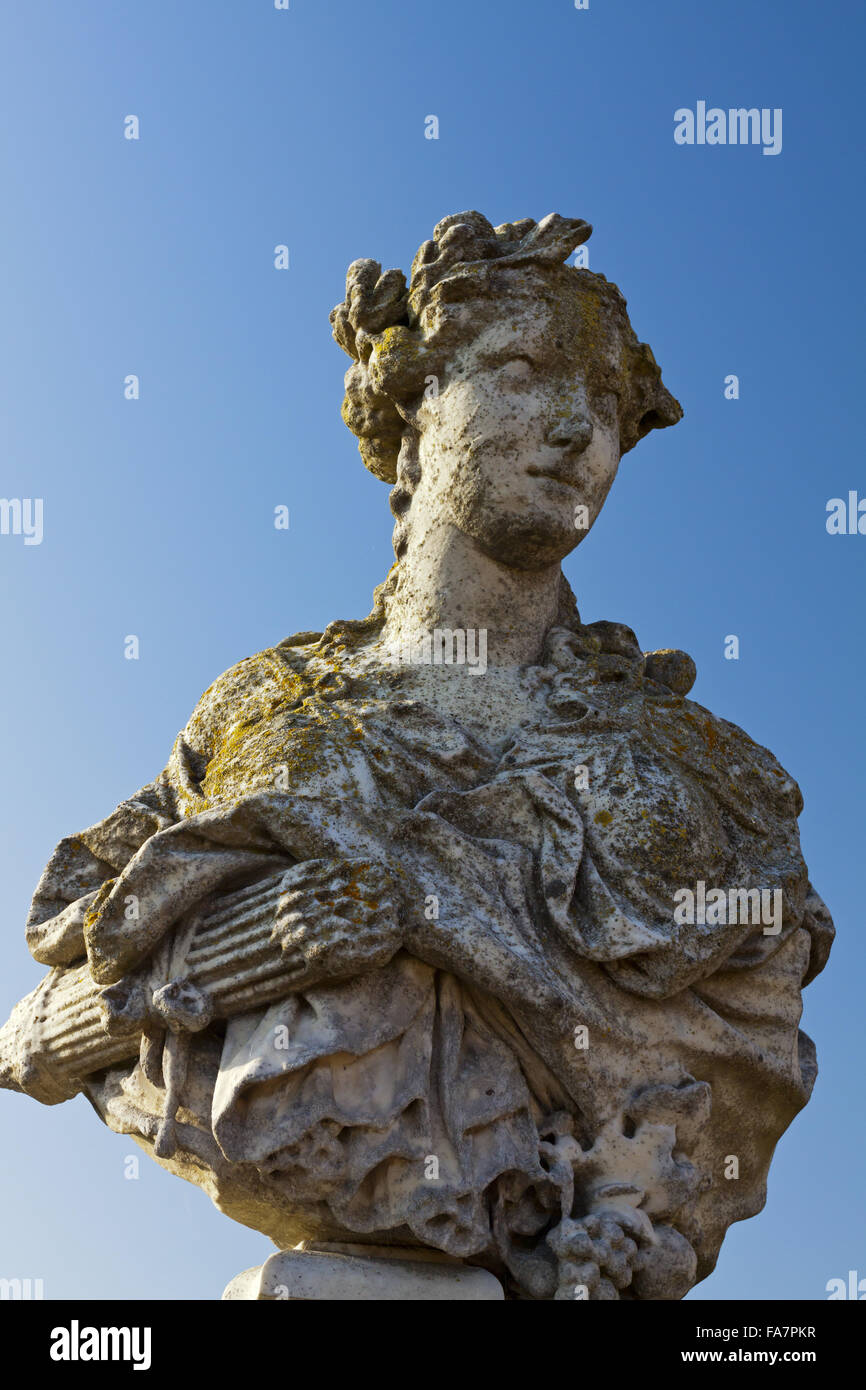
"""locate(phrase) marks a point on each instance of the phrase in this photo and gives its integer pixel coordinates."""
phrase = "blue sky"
(155, 257)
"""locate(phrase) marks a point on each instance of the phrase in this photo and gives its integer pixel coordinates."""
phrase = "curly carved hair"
(398, 335)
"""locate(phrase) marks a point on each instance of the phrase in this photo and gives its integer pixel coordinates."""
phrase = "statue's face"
(521, 445)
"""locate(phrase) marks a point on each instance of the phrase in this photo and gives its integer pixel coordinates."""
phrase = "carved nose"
(575, 432)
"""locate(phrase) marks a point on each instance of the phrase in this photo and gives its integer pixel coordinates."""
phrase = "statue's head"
(501, 387)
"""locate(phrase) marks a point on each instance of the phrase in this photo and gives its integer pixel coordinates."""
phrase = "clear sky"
(155, 257)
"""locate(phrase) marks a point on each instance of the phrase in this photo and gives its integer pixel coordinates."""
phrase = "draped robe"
(551, 980)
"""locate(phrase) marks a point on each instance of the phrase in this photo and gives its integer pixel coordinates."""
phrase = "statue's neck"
(445, 581)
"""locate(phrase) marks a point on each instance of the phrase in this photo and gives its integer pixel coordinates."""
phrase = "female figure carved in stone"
(489, 1033)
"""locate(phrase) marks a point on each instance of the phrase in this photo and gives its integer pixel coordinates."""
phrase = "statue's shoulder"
(250, 689)
(737, 771)
(743, 772)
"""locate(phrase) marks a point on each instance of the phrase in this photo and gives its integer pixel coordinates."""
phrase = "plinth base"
(341, 1275)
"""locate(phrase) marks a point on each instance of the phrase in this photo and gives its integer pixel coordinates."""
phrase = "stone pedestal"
(338, 1276)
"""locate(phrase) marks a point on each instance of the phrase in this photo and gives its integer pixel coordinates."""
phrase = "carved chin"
(528, 539)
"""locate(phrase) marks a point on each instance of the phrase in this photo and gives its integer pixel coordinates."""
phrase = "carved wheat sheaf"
(62, 1027)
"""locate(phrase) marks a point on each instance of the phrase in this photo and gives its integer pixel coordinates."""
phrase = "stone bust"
(456, 934)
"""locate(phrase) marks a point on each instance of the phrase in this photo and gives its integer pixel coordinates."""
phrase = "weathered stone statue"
(456, 943)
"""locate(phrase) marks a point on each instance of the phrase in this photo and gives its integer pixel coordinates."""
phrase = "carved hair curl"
(399, 335)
